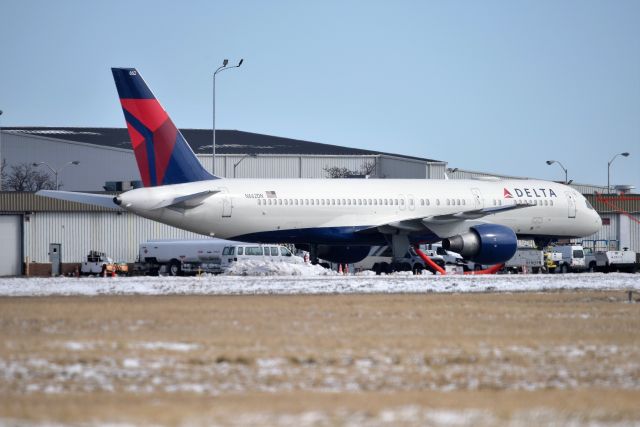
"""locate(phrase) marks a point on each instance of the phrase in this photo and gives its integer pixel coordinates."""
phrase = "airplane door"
(227, 203)
(571, 202)
(477, 198)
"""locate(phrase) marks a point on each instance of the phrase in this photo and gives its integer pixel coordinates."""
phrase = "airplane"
(335, 219)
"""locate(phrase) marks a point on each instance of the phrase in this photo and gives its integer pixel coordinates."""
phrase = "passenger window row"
(356, 202)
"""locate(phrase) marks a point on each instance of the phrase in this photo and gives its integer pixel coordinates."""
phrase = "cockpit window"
(588, 204)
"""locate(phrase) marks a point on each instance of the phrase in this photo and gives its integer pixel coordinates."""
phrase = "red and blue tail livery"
(162, 153)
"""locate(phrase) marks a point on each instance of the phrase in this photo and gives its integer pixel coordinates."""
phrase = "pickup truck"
(99, 263)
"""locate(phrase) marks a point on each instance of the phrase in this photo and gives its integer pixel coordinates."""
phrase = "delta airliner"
(337, 219)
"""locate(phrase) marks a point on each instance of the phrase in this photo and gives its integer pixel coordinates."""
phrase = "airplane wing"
(445, 225)
(106, 201)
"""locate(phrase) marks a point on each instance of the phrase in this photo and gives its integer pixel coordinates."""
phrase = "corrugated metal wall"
(635, 232)
(303, 166)
(118, 235)
(97, 164)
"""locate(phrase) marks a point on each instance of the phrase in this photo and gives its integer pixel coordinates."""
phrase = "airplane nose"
(597, 223)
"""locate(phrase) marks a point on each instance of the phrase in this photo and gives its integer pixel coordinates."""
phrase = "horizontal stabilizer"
(106, 201)
(186, 202)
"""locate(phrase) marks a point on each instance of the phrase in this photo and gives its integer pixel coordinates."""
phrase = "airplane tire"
(564, 269)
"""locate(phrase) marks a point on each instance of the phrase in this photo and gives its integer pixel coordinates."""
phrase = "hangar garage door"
(10, 238)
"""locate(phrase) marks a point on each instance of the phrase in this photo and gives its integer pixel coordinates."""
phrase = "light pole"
(220, 69)
(240, 161)
(609, 169)
(56, 172)
(550, 162)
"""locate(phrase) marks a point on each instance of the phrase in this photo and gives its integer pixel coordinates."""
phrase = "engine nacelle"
(484, 244)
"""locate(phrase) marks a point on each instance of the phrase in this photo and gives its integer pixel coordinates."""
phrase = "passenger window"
(448, 202)
(274, 251)
(395, 202)
(369, 202)
(349, 202)
(240, 250)
(269, 201)
(253, 250)
(284, 251)
(428, 202)
(551, 202)
(438, 202)
(359, 201)
(280, 201)
(286, 202)
(343, 201)
(401, 202)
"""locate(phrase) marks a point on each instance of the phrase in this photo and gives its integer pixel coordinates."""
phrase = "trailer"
(189, 257)
(526, 260)
(604, 256)
(180, 257)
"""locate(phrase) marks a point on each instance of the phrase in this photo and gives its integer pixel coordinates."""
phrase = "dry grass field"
(431, 359)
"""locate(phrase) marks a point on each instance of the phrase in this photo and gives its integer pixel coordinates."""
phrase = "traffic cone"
(113, 272)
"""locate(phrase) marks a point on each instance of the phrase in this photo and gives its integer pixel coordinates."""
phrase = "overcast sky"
(494, 86)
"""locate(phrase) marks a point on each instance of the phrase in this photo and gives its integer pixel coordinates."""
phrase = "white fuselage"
(335, 210)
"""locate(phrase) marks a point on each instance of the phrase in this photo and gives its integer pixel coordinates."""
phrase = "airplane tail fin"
(162, 153)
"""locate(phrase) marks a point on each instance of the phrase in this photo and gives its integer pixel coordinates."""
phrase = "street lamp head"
(75, 162)
(625, 154)
(550, 162)
(241, 61)
(225, 62)
(34, 164)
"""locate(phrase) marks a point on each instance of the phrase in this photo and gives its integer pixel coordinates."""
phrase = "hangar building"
(42, 233)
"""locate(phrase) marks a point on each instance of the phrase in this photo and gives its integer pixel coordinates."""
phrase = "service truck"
(600, 255)
(526, 260)
(379, 260)
(572, 258)
(178, 257)
(100, 263)
(184, 257)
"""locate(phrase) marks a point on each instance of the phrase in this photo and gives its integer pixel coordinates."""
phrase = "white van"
(572, 258)
(256, 252)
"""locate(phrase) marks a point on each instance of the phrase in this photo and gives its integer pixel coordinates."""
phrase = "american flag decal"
(271, 194)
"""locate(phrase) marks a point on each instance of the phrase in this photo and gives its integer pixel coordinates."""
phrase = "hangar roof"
(227, 141)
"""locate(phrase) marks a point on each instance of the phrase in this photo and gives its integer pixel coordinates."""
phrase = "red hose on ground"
(428, 260)
(491, 270)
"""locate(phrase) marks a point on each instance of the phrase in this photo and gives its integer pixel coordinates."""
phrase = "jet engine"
(484, 244)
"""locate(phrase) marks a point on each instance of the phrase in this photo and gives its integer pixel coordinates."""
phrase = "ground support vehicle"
(599, 256)
(526, 260)
(572, 258)
(100, 264)
(624, 261)
(238, 251)
(380, 260)
(178, 257)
